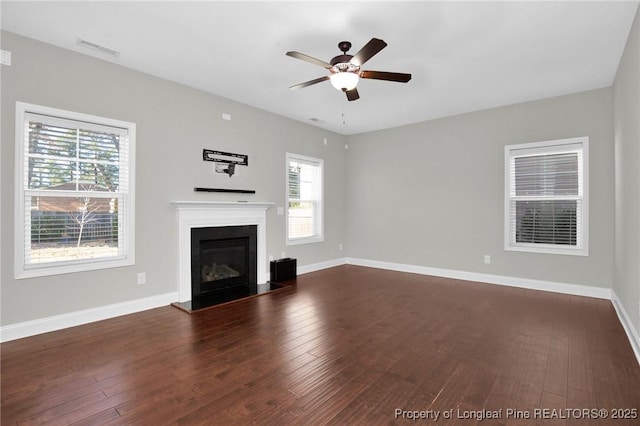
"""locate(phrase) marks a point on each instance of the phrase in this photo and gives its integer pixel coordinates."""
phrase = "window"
(304, 199)
(74, 197)
(546, 203)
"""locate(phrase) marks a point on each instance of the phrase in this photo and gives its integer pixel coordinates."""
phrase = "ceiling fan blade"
(309, 83)
(389, 76)
(368, 50)
(310, 59)
(352, 94)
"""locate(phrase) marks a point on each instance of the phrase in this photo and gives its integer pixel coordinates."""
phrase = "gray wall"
(174, 124)
(432, 194)
(626, 91)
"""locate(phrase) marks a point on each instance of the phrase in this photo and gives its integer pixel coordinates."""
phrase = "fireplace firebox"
(223, 261)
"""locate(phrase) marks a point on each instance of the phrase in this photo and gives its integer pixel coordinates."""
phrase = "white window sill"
(535, 248)
(46, 269)
(307, 240)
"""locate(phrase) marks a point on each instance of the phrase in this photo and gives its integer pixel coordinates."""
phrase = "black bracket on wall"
(225, 157)
(229, 158)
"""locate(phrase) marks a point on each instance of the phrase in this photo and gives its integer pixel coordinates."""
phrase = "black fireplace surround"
(223, 261)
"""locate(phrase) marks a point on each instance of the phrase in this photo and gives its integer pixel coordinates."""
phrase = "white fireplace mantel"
(199, 214)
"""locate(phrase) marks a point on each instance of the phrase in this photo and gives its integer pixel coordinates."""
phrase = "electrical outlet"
(142, 278)
(270, 258)
(340, 246)
(487, 259)
(5, 58)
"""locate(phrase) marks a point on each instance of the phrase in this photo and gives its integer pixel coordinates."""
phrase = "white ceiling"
(464, 56)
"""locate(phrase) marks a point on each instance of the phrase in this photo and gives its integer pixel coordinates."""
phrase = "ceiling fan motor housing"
(342, 63)
(341, 59)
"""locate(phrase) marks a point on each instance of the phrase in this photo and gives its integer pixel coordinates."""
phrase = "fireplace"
(223, 260)
(219, 215)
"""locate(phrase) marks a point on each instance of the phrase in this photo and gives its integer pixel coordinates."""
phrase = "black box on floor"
(283, 269)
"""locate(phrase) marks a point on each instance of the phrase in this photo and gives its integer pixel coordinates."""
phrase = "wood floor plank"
(345, 345)
(100, 418)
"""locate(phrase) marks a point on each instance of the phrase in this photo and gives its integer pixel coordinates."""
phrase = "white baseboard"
(555, 287)
(631, 331)
(320, 265)
(72, 319)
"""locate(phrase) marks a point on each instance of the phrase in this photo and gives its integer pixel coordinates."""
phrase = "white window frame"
(579, 145)
(22, 222)
(318, 235)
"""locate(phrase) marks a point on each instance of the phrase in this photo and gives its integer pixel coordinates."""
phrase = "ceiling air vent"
(97, 47)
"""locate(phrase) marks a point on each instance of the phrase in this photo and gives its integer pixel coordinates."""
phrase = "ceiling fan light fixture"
(344, 81)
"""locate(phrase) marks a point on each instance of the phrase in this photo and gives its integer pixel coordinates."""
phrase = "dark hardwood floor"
(347, 345)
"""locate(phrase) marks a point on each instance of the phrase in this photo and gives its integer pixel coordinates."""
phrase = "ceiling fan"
(345, 69)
